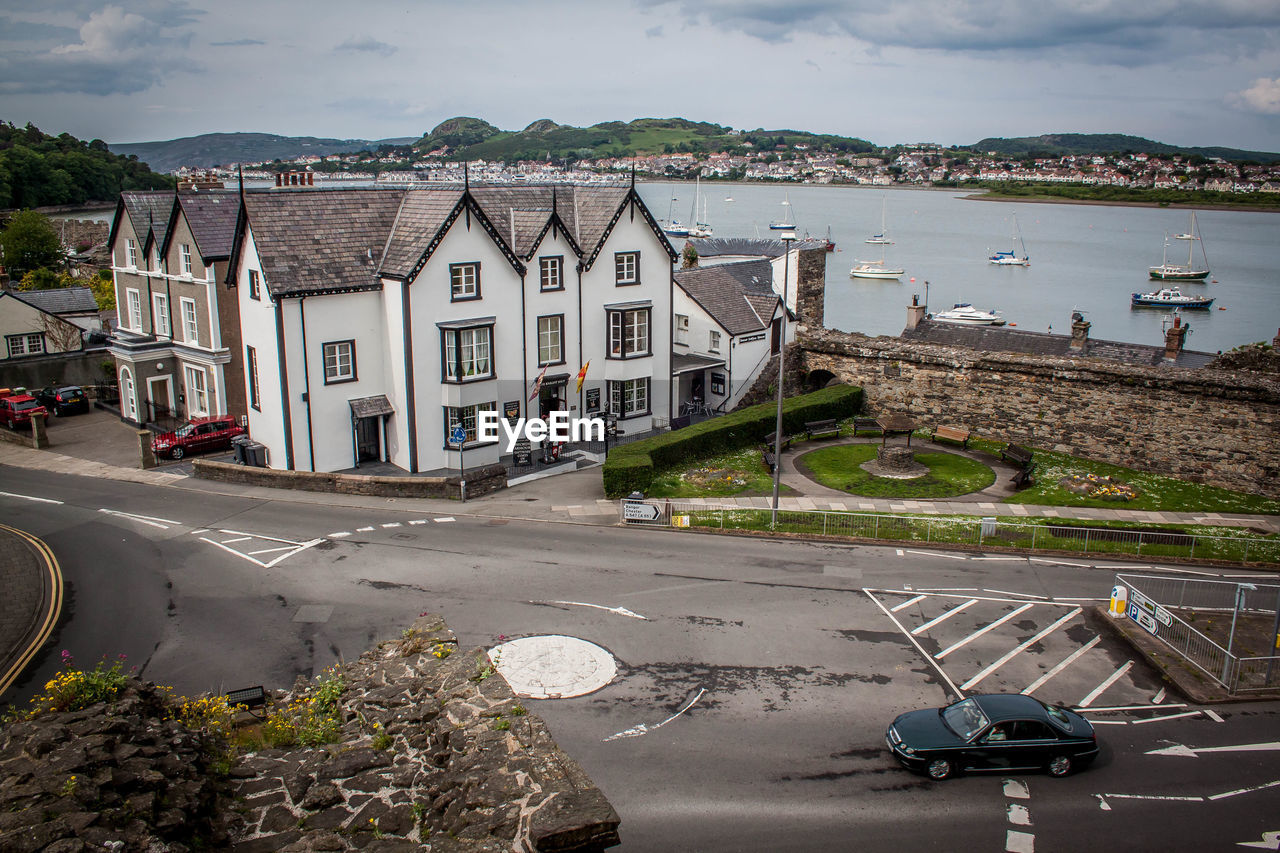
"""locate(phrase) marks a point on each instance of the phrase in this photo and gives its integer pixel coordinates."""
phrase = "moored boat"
(787, 222)
(874, 269)
(965, 314)
(1188, 271)
(1170, 297)
(1011, 258)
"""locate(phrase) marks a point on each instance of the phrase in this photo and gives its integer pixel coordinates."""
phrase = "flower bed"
(1102, 488)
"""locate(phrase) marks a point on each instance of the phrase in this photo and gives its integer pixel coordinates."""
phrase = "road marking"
(976, 634)
(1270, 841)
(418, 521)
(1261, 787)
(642, 729)
(31, 498)
(948, 589)
(899, 550)
(364, 529)
(1019, 842)
(391, 524)
(340, 534)
(936, 554)
(1094, 722)
(1021, 648)
(269, 550)
(1151, 797)
(1159, 697)
(56, 587)
(240, 539)
(621, 611)
(1059, 562)
(1019, 815)
(162, 523)
(1192, 752)
(1167, 717)
(923, 654)
(908, 603)
(444, 519)
(288, 546)
(1066, 662)
(1211, 715)
(1000, 559)
(1110, 680)
(946, 614)
(1134, 707)
(907, 590)
(1019, 594)
(1015, 789)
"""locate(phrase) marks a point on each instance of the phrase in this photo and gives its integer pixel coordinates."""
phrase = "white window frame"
(551, 273)
(128, 394)
(255, 391)
(131, 252)
(551, 339)
(255, 285)
(160, 315)
(133, 299)
(629, 398)
(190, 321)
(468, 353)
(25, 343)
(467, 416)
(339, 361)
(155, 259)
(626, 268)
(184, 254)
(628, 330)
(713, 341)
(464, 281)
(682, 329)
(195, 380)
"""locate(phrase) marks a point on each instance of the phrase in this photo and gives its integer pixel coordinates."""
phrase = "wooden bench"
(766, 456)
(860, 424)
(1017, 454)
(951, 433)
(770, 441)
(1024, 476)
(827, 427)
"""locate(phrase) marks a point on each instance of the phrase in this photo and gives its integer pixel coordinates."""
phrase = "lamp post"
(788, 237)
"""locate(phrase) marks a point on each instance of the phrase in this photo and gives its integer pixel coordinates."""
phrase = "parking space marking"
(937, 554)
(1063, 664)
(286, 547)
(1110, 680)
(1020, 594)
(1008, 656)
(923, 654)
(1211, 715)
(908, 603)
(162, 523)
(946, 614)
(1167, 717)
(976, 634)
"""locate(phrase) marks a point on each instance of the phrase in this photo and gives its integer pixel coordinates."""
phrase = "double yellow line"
(51, 616)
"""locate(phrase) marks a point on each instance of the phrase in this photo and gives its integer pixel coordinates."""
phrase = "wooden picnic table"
(896, 425)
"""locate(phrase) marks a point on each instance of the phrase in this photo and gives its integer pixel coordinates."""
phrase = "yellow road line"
(50, 618)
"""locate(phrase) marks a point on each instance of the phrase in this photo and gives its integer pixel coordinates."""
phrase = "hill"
(1062, 144)
(218, 149)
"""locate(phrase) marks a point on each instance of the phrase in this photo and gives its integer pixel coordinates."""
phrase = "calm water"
(1083, 257)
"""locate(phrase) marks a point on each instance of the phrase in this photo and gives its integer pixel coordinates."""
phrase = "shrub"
(73, 689)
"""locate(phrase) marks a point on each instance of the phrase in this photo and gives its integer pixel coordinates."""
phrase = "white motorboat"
(965, 314)
(874, 269)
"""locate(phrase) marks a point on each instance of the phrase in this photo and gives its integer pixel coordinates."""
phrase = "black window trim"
(560, 271)
(453, 297)
(255, 285)
(542, 363)
(608, 334)
(619, 282)
(444, 414)
(343, 380)
(251, 365)
(648, 397)
(451, 328)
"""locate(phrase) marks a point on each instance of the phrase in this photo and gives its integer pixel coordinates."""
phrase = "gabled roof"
(737, 296)
(149, 213)
(61, 300)
(211, 215)
(1006, 339)
(418, 226)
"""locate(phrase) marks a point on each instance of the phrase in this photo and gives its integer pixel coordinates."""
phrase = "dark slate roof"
(61, 300)
(735, 295)
(713, 247)
(315, 241)
(149, 211)
(212, 217)
(422, 213)
(1006, 339)
(523, 212)
(687, 362)
(371, 407)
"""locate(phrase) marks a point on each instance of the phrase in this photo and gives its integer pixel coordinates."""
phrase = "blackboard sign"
(522, 453)
(593, 400)
(511, 411)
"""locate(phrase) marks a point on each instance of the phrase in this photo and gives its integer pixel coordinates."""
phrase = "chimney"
(1174, 337)
(1275, 342)
(915, 311)
(1079, 332)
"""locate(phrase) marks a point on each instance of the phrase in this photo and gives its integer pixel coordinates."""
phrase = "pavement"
(98, 445)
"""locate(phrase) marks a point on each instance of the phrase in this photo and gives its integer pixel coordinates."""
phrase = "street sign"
(459, 435)
(1146, 620)
(632, 511)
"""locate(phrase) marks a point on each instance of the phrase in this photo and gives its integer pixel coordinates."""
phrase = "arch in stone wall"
(815, 380)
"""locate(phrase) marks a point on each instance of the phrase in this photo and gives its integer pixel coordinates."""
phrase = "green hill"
(217, 149)
(1063, 144)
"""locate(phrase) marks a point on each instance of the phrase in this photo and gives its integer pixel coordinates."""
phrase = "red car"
(16, 410)
(199, 436)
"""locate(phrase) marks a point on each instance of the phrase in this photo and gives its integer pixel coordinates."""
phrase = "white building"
(375, 320)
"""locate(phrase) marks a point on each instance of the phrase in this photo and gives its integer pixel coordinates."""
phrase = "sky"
(1184, 72)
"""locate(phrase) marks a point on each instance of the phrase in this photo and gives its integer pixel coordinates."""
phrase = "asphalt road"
(755, 678)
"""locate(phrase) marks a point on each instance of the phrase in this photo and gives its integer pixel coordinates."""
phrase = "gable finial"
(633, 174)
(241, 170)
(466, 180)
(553, 198)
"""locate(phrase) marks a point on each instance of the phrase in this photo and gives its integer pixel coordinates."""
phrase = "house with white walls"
(378, 320)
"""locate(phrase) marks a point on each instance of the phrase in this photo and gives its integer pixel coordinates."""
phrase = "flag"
(537, 384)
(582, 374)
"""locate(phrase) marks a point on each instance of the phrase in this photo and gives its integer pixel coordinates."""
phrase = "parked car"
(992, 732)
(63, 399)
(201, 435)
(16, 410)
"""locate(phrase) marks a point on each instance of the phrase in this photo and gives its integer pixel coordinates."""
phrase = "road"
(755, 679)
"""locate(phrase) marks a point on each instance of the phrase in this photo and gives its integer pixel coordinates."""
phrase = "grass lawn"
(740, 473)
(949, 475)
(1155, 492)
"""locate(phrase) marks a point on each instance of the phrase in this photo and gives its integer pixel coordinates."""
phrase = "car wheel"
(1059, 765)
(177, 453)
(939, 769)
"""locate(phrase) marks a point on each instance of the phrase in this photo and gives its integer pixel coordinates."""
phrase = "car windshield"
(1058, 716)
(965, 718)
(186, 430)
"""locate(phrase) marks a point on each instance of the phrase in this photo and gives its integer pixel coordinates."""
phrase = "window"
(155, 259)
(29, 343)
(251, 362)
(255, 285)
(464, 282)
(184, 253)
(135, 309)
(197, 393)
(465, 415)
(131, 250)
(682, 329)
(551, 273)
(626, 267)
(468, 354)
(550, 343)
(160, 314)
(339, 362)
(629, 333)
(629, 397)
(717, 384)
(713, 345)
(190, 331)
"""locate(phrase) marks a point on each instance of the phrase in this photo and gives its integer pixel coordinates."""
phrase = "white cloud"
(1263, 96)
(367, 44)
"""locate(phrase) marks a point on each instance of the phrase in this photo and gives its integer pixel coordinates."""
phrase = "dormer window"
(131, 250)
(184, 254)
(464, 282)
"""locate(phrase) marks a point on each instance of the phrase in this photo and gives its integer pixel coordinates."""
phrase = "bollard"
(144, 448)
(39, 432)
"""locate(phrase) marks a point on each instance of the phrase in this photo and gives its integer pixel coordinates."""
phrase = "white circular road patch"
(553, 666)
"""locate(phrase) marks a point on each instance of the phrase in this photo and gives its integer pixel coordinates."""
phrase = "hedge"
(631, 467)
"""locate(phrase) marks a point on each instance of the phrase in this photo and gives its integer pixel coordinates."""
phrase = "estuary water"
(1087, 258)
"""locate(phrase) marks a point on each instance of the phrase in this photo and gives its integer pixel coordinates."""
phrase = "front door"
(367, 440)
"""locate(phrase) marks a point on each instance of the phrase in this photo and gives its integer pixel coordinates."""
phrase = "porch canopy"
(370, 407)
(686, 362)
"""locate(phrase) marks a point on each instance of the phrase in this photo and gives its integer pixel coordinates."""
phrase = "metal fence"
(1166, 607)
(991, 531)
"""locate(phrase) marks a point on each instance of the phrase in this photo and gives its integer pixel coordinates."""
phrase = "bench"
(1017, 454)
(250, 697)
(766, 456)
(950, 433)
(827, 427)
(860, 424)
(770, 441)
(1024, 476)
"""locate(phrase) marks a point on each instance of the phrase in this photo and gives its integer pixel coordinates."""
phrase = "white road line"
(269, 551)
(1021, 648)
(1166, 717)
(976, 634)
(936, 554)
(1059, 563)
(908, 603)
(923, 654)
(162, 523)
(1135, 707)
(1059, 598)
(364, 529)
(1211, 715)
(1152, 797)
(899, 550)
(391, 524)
(907, 590)
(418, 521)
(1019, 594)
(259, 536)
(1223, 796)
(948, 589)
(199, 530)
(1063, 664)
(1000, 559)
(1019, 815)
(642, 729)
(1159, 697)
(1094, 722)
(238, 539)
(444, 519)
(1016, 789)
(621, 611)
(947, 614)
(1111, 679)
(1019, 842)
(30, 498)
(340, 534)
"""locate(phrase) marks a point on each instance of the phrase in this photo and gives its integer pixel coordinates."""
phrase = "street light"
(788, 237)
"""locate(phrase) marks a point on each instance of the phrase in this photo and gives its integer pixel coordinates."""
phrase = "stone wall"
(480, 481)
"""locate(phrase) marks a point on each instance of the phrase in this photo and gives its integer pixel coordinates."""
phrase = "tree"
(47, 279)
(104, 290)
(689, 258)
(28, 243)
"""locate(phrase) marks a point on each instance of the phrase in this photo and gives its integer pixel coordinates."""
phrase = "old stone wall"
(480, 481)
(1211, 426)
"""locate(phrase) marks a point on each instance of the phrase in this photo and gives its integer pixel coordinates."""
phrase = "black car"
(63, 399)
(992, 732)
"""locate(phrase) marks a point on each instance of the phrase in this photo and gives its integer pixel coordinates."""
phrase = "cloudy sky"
(1187, 72)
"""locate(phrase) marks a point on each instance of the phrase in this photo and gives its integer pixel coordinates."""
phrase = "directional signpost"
(635, 511)
(459, 437)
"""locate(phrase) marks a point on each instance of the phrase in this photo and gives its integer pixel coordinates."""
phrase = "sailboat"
(881, 238)
(1183, 272)
(876, 269)
(698, 228)
(786, 223)
(1011, 257)
(674, 227)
